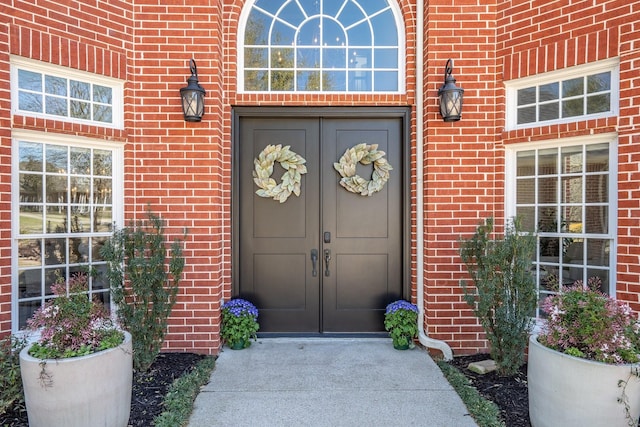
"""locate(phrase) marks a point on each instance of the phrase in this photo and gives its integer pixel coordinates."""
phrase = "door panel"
(275, 238)
(367, 230)
(364, 272)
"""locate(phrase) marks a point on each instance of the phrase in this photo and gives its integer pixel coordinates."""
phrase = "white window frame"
(510, 190)
(612, 65)
(116, 85)
(117, 177)
(401, 89)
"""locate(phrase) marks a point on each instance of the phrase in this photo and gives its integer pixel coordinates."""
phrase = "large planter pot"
(93, 390)
(570, 391)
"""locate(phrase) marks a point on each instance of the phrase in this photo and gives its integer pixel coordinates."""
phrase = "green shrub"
(504, 296)
(11, 392)
(143, 288)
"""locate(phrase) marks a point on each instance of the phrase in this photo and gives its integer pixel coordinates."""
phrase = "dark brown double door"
(328, 260)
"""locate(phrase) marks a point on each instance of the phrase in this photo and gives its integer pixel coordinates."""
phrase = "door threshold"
(323, 335)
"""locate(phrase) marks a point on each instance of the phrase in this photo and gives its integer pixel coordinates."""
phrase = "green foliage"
(504, 295)
(11, 392)
(584, 322)
(179, 400)
(401, 320)
(72, 324)
(239, 323)
(483, 411)
(143, 288)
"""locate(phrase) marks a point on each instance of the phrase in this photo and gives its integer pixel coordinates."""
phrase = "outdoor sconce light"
(450, 96)
(192, 96)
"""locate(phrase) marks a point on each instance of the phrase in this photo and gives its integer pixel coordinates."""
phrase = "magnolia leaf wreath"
(364, 154)
(292, 163)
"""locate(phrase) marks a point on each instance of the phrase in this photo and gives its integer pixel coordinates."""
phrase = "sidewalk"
(327, 382)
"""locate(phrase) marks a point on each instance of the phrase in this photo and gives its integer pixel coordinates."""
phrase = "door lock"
(327, 237)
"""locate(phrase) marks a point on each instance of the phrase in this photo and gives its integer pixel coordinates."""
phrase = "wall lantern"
(450, 96)
(192, 96)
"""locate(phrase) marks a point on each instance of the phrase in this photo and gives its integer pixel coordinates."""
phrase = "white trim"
(512, 87)
(116, 85)
(612, 139)
(117, 176)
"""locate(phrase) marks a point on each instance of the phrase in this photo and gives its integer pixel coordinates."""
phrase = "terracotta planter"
(570, 391)
(93, 390)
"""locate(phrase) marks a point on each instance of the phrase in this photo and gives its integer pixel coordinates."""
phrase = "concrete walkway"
(327, 382)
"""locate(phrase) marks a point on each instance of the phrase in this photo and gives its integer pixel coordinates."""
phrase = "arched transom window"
(321, 46)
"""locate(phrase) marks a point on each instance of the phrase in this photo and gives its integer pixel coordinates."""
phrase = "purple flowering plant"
(586, 323)
(239, 323)
(71, 324)
(401, 320)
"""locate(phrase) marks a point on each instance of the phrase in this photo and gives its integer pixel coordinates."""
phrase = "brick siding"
(182, 171)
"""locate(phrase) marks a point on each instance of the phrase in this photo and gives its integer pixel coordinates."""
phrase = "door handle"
(314, 262)
(327, 257)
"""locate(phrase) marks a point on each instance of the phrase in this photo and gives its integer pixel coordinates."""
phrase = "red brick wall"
(546, 36)
(180, 170)
(463, 160)
(5, 182)
(89, 37)
(183, 170)
(629, 159)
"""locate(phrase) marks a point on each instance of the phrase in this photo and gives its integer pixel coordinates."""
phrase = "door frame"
(403, 113)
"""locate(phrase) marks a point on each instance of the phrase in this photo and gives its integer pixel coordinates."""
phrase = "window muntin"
(48, 91)
(565, 193)
(578, 93)
(326, 45)
(65, 201)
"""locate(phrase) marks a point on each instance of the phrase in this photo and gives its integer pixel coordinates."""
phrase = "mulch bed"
(147, 394)
(508, 393)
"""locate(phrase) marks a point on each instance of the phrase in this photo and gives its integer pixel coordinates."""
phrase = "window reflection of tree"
(283, 74)
(65, 97)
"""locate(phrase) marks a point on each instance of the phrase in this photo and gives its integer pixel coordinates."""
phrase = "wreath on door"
(292, 163)
(364, 154)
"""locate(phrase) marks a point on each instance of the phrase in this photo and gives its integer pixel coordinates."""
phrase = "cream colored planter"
(93, 390)
(569, 391)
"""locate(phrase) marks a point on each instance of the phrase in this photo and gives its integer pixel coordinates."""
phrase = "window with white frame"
(65, 199)
(44, 90)
(577, 93)
(321, 46)
(565, 192)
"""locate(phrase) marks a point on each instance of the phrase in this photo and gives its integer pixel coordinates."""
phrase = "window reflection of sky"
(326, 35)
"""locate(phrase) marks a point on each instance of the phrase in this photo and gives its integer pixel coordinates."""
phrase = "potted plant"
(239, 323)
(583, 365)
(401, 320)
(79, 372)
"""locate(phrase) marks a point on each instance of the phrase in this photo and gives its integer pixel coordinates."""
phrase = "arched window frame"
(400, 60)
